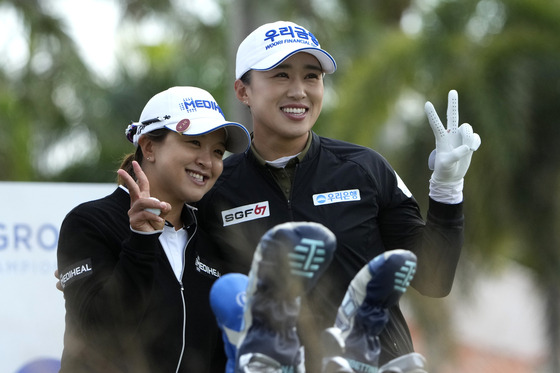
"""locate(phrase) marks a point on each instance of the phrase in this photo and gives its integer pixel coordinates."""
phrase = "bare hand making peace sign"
(140, 200)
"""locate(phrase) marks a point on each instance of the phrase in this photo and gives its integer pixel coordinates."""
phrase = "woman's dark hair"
(246, 78)
(126, 164)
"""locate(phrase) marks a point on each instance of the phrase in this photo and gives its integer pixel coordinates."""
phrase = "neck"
(174, 217)
(271, 149)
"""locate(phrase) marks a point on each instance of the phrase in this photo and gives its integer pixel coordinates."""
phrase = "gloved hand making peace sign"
(452, 156)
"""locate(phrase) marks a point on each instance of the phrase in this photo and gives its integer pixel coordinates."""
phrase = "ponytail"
(126, 165)
(138, 156)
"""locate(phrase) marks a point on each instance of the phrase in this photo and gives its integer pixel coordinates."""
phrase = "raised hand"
(143, 207)
(454, 146)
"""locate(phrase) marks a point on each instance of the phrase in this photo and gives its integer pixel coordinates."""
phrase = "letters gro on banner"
(32, 311)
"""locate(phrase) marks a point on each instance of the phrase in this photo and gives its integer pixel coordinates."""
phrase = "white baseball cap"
(190, 111)
(272, 43)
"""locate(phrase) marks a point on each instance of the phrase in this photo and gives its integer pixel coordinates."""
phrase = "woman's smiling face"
(286, 101)
(186, 167)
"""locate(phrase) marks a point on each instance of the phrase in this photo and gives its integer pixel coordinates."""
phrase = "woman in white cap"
(135, 284)
(292, 174)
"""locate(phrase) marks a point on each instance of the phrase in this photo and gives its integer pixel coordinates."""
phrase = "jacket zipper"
(292, 182)
(184, 326)
(183, 297)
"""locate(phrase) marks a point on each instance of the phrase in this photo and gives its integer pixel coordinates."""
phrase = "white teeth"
(198, 177)
(291, 110)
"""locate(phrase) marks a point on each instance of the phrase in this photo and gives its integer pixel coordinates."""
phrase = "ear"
(241, 92)
(147, 146)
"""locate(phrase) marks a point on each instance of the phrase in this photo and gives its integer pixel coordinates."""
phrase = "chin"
(195, 199)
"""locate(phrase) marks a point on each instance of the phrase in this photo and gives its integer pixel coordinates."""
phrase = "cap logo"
(183, 125)
(191, 105)
(289, 34)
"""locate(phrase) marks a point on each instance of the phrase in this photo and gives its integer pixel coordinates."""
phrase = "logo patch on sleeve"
(402, 186)
(76, 271)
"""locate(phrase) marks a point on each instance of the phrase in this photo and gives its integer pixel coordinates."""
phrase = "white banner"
(32, 309)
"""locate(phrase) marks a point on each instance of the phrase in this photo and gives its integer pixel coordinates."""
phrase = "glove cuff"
(450, 193)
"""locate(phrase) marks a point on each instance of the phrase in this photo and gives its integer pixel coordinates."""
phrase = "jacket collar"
(311, 140)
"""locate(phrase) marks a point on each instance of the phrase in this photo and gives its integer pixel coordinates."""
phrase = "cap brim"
(328, 64)
(238, 138)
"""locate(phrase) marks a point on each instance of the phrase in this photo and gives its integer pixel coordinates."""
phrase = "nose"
(297, 89)
(204, 159)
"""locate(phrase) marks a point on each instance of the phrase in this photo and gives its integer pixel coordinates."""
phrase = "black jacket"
(125, 309)
(247, 201)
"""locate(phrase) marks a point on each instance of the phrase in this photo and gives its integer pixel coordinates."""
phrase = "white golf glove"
(452, 156)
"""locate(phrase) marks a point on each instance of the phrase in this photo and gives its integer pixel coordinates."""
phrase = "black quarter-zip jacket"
(354, 192)
(125, 309)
